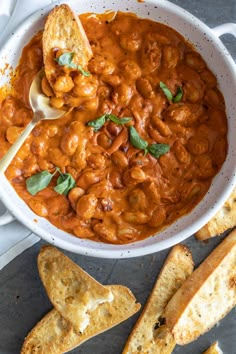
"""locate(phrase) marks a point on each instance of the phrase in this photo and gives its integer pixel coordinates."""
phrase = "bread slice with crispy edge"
(55, 335)
(63, 30)
(206, 296)
(224, 219)
(72, 291)
(148, 335)
(213, 349)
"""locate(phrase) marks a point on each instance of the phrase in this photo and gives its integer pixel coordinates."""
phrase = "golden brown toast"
(72, 291)
(55, 335)
(63, 30)
(148, 335)
(206, 296)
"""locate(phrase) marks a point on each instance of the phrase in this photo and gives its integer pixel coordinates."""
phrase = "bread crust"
(213, 349)
(206, 296)
(55, 335)
(145, 337)
(63, 29)
(72, 291)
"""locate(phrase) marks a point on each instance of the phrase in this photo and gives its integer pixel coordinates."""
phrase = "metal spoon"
(42, 110)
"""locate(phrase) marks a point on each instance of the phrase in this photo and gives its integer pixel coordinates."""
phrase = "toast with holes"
(206, 296)
(149, 335)
(213, 349)
(224, 219)
(63, 29)
(72, 291)
(54, 334)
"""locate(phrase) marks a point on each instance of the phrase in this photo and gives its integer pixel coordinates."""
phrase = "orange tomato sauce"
(122, 194)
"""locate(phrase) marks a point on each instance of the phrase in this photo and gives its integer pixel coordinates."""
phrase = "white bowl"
(206, 41)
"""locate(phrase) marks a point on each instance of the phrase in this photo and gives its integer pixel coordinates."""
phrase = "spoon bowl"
(42, 110)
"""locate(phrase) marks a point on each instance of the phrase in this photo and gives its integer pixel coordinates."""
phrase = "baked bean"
(69, 143)
(205, 166)
(170, 56)
(63, 84)
(56, 156)
(83, 232)
(120, 160)
(39, 207)
(87, 179)
(195, 61)
(39, 146)
(13, 133)
(96, 161)
(214, 98)
(150, 56)
(130, 69)
(122, 95)
(13, 172)
(181, 153)
(112, 80)
(131, 42)
(86, 206)
(135, 217)
(114, 129)
(158, 217)
(193, 91)
(104, 140)
(145, 88)
(134, 176)
(58, 205)
(51, 130)
(137, 199)
(161, 126)
(30, 166)
(74, 195)
(46, 88)
(101, 65)
(85, 86)
(91, 104)
(56, 102)
(115, 178)
(179, 113)
(79, 157)
(8, 108)
(106, 232)
(191, 190)
(100, 189)
(198, 145)
(208, 78)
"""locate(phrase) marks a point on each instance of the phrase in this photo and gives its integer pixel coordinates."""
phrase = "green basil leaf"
(179, 95)
(65, 59)
(38, 182)
(65, 183)
(85, 73)
(97, 123)
(117, 120)
(158, 150)
(166, 91)
(136, 139)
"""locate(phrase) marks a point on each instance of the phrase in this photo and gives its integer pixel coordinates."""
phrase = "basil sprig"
(66, 59)
(155, 150)
(41, 180)
(177, 98)
(100, 121)
(65, 183)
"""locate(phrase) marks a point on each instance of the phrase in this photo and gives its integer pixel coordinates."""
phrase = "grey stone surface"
(23, 300)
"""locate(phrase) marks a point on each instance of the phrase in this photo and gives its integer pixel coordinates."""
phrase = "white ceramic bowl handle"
(225, 28)
(6, 218)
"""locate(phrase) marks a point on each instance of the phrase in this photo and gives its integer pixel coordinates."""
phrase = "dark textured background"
(22, 297)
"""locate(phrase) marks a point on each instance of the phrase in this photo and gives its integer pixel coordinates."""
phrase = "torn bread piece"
(72, 291)
(149, 335)
(213, 349)
(224, 219)
(206, 296)
(63, 30)
(54, 335)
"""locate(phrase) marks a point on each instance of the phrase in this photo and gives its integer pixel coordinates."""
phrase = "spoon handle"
(7, 158)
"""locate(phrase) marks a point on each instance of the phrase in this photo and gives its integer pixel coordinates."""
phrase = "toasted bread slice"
(72, 291)
(206, 296)
(148, 335)
(224, 219)
(63, 30)
(213, 349)
(54, 335)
